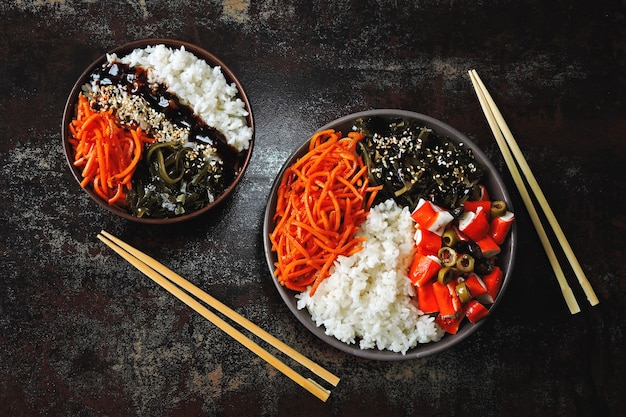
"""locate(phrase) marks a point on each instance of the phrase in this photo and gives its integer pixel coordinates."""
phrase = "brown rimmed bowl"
(495, 187)
(70, 112)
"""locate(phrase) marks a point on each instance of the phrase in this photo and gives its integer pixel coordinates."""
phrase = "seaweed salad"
(412, 161)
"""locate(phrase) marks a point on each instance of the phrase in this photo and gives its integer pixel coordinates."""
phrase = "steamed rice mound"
(367, 297)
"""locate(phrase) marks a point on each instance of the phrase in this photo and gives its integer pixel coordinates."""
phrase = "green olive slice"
(498, 208)
(463, 292)
(465, 263)
(449, 238)
(447, 256)
(445, 275)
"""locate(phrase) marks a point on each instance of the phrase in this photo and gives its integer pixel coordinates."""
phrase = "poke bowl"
(403, 255)
(158, 131)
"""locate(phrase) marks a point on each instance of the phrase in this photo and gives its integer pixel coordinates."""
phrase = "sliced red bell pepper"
(426, 300)
(427, 242)
(475, 311)
(475, 285)
(423, 269)
(431, 217)
(456, 301)
(483, 194)
(475, 225)
(444, 300)
(449, 324)
(473, 205)
(488, 246)
(500, 227)
(493, 281)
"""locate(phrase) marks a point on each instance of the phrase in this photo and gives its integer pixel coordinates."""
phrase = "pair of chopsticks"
(183, 290)
(507, 144)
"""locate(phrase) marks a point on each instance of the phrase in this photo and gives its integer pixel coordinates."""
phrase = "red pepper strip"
(500, 227)
(456, 301)
(449, 324)
(426, 241)
(426, 300)
(475, 285)
(484, 195)
(424, 213)
(444, 300)
(473, 205)
(488, 246)
(493, 281)
(423, 269)
(474, 225)
(431, 217)
(475, 311)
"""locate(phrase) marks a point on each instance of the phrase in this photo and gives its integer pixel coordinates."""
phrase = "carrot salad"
(321, 201)
(106, 153)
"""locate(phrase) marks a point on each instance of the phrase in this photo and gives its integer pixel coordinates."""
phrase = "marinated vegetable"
(411, 162)
(107, 154)
(467, 280)
(322, 199)
(170, 182)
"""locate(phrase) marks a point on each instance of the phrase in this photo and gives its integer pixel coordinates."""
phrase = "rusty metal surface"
(83, 334)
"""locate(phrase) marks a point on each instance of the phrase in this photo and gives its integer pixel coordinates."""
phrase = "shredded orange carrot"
(321, 201)
(106, 153)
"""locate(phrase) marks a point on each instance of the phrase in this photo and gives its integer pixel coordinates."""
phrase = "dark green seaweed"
(411, 161)
(170, 184)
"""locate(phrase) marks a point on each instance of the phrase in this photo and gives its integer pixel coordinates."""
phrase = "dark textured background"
(83, 334)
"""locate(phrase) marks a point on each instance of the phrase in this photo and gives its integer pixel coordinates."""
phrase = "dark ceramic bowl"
(496, 189)
(70, 112)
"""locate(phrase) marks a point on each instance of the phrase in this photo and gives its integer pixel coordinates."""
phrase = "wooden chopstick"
(173, 283)
(508, 144)
(227, 311)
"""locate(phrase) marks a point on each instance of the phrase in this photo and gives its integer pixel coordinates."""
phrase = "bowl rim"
(421, 350)
(201, 53)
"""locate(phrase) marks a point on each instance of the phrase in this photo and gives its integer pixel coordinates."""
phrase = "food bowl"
(239, 162)
(491, 180)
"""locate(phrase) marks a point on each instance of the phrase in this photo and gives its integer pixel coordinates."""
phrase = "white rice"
(367, 297)
(198, 85)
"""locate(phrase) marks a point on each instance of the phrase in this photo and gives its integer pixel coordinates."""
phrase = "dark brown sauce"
(135, 81)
